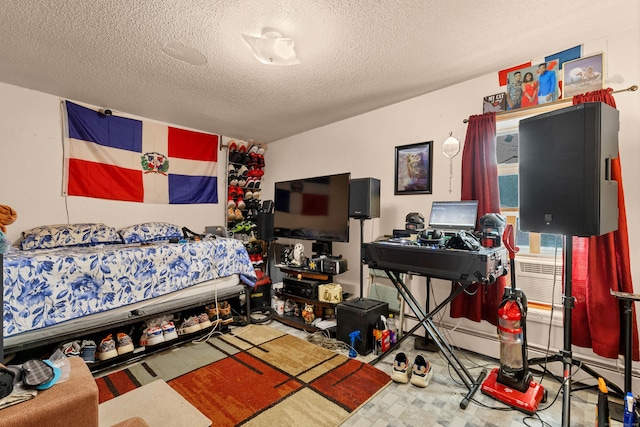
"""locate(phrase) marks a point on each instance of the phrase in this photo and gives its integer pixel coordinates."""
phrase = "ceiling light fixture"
(273, 49)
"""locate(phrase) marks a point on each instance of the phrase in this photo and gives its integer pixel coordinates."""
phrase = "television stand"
(322, 309)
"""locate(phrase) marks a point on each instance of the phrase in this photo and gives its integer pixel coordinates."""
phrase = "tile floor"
(439, 404)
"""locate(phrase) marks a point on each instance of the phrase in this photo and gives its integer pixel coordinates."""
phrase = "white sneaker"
(151, 336)
(400, 372)
(203, 319)
(124, 344)
(169, 331)
(72, 348)
(421, 372)
(107, 348)
(189, 326)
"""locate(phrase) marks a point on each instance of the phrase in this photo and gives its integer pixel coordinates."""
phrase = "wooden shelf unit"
(295, 321)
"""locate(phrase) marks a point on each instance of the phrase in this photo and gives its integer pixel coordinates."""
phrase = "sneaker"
(231, 214)
(242, 171)
(241, 227)
(151, 336)
(241, 204)
(243, 146)
(169, 331)
(231, 172)
(107, 349)
(400, 373)
(88, 351)
(213, 314)
(189, 326)
(247, 226)
(421, 372)
(235, 157)
(224, 310)
(71, 348)
(203, 319)
(231, 202)
(124, 343)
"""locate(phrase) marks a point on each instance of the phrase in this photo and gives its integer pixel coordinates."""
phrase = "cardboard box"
(330, 292)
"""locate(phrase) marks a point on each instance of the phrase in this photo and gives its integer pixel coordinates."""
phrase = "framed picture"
(523, 85)
(413, 170)
(583, 75)
(494, 103)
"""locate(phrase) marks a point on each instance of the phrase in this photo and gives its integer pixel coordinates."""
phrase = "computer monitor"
(454, 216)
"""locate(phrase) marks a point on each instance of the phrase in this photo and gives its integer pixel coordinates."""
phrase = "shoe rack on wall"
(245, 169)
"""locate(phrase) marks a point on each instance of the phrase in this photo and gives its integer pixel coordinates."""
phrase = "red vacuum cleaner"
(512, 383)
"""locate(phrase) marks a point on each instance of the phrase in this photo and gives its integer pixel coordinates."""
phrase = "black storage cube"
(261, 294)
(359, 315)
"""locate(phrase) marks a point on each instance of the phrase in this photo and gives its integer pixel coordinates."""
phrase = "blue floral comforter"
(47, 287)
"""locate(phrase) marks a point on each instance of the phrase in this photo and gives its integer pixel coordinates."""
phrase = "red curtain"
(480, 182)
(601, 263)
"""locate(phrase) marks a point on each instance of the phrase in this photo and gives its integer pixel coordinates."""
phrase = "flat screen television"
(315, 208)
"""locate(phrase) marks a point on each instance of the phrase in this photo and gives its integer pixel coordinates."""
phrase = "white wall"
(31, 174)
(365, 146)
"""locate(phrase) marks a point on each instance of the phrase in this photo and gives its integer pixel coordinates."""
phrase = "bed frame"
(22, 344)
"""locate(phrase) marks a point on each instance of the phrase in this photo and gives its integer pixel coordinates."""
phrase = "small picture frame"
(413, 168)
(583, 75)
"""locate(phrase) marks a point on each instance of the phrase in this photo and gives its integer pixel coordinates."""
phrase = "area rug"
(257, 376)
(167, 408)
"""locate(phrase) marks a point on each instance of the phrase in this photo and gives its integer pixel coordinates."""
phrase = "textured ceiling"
(355, 55)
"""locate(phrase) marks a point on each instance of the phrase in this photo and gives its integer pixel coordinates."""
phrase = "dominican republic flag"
(117, 158)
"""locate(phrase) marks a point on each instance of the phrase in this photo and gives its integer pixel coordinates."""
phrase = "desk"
(465, 267)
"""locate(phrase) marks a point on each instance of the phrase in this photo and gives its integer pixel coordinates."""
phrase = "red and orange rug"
(256, 376)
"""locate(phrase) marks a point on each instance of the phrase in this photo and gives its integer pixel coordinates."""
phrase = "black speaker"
(565, 171)
(267, 206)
(364, 198)
(264, 225)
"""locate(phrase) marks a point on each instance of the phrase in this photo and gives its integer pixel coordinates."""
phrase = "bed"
(53, 290)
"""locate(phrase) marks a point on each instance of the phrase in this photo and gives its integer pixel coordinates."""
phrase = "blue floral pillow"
(150, 232)
(54, 236)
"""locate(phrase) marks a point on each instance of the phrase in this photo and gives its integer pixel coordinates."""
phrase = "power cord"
(322, 339)
(267, 313)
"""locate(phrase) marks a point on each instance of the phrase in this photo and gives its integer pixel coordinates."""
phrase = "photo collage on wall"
(560, 76)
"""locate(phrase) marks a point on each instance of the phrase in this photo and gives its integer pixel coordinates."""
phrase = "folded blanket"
(7, 216)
